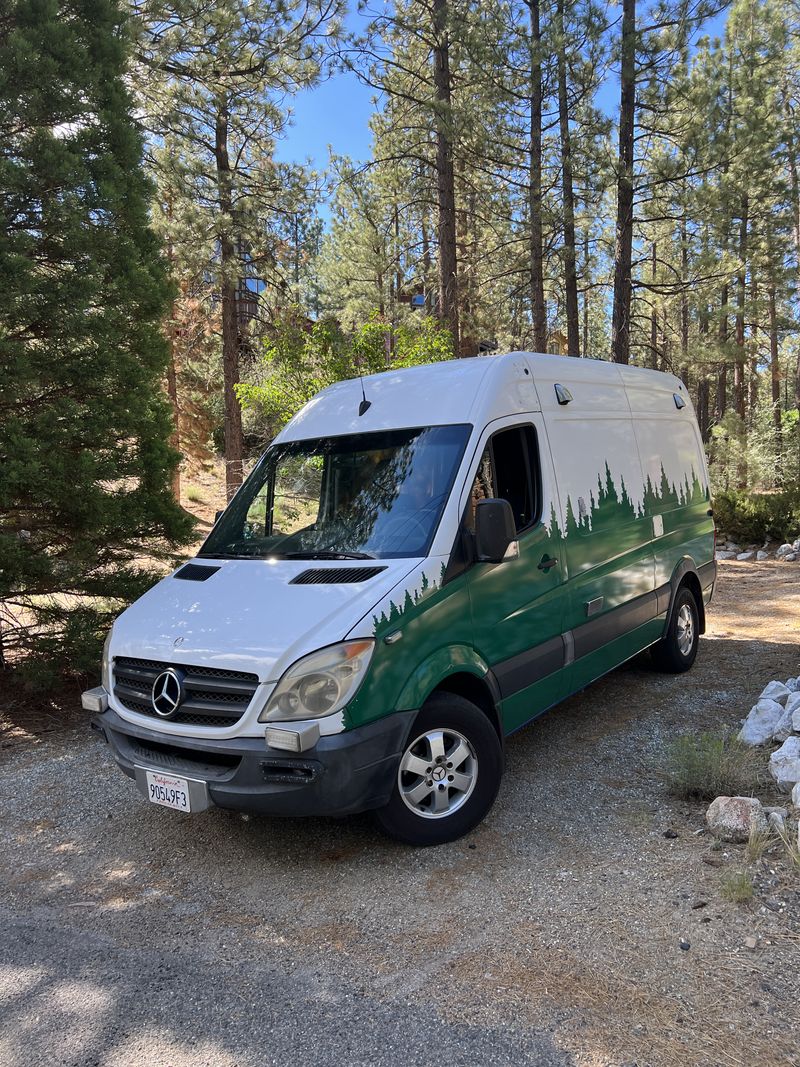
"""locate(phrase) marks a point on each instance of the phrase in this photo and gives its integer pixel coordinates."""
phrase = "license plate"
(168, 790)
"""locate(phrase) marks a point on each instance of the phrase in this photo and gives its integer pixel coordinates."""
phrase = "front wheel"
(448, 776)
(677, 649)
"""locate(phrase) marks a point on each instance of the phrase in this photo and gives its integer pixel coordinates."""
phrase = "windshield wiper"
(327, 554)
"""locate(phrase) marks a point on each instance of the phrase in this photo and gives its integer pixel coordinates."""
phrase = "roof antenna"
(365, 404)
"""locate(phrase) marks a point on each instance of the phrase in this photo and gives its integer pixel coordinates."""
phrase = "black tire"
(675, 652)
(418, 823)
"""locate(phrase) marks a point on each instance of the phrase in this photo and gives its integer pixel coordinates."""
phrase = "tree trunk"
(621, 311)
(741, 293)
(721, 398)
(775, 372)
(570, 272)
(684, 304)
(536, 246)
(794, 181)
(445, 175)
(585, 347)
(653, 311)
(230, 326)
(172, 393)
(702, 409)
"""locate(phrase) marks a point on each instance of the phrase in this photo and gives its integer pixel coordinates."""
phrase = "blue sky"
(337, 111)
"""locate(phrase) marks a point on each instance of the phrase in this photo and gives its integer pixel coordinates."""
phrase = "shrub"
(708, 765)
(756, 517)
(194, 496)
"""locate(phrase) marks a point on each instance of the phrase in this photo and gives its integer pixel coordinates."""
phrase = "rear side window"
(509, 470)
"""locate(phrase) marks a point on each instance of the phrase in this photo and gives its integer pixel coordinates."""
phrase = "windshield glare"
(373, 495)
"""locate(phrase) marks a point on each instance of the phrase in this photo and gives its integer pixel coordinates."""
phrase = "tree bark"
(774, 368)
(653, 311)
(445, 175)
(721, 397)
(230, 326)
(739, 395)
(621, 311)
(535, 244)
(567, 193)
(794, 182)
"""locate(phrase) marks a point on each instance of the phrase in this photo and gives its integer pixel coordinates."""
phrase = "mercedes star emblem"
(167, 693)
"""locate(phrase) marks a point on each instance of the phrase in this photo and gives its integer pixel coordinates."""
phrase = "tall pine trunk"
(445, 175)
(774, 368)
(230, 326)
(568, 196)
(621, 311)
(535, 244)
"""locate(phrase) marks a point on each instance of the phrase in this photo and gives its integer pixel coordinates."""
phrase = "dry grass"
(757, 844)
(194, 495)
(708, 765)
(737, 887)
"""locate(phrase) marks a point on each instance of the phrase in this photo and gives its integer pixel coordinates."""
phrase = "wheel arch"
(685, 576)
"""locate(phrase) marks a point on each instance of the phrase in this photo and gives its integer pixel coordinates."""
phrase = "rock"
(732, 818)
(784, 764)
(761, 554)
(793, 709)
(784, 727)
(751, 943)
(733, 547)
(790, 558)
(761, 723)
(796, 545)
(784, 550)
(777, 823)
(775, 691)
(684, 944)
(792, 684)
(671, 834)
(771, 810)
(725, 555)
(796, 795)
(745, 555)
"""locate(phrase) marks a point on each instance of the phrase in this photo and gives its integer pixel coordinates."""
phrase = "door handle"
(547, 562)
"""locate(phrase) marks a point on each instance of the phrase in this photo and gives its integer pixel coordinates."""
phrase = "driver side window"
(508, 470)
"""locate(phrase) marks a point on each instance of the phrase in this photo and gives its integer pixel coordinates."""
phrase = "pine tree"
(85, 463)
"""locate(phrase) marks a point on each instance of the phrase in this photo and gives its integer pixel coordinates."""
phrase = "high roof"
(474, 390)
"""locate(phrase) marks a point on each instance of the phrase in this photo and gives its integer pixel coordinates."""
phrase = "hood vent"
(336, 575)
(195, 572)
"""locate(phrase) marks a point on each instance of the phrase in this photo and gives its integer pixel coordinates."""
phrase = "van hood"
(248, 616)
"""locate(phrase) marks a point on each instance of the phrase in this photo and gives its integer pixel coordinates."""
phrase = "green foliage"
(707, 765)
(84, 428)
(300, 358)
(756, 517)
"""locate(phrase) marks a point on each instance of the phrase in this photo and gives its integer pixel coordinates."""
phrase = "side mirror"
(218, 516)
(495, 530)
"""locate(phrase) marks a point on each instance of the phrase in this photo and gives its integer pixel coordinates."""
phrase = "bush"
(756, 517)
(737, 887)
(708, 765)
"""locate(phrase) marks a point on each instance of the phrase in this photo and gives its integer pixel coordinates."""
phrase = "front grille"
(212, 697)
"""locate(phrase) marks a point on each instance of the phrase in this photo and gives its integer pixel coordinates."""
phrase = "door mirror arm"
(495, 531)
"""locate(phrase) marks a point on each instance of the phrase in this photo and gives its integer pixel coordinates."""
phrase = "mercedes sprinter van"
(408, 576)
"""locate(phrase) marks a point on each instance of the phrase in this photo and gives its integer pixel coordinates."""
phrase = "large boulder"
(793, 709)
(783, 551)
(793, 684)
(761, 723)
(725, 554)
(784, 764)
(784, 727)
(745, 555)
(775, 691)
(733, 818)
(796, 795)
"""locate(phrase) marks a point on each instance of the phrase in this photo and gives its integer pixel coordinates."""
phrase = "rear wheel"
(677, 649)
(448, 776)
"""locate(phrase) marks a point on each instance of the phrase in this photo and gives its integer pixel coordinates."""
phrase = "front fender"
(453, 659)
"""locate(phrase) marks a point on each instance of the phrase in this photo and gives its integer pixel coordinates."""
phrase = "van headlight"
(319, 684)
(105, 674)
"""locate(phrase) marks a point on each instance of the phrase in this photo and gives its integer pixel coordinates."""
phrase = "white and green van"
(410, 574)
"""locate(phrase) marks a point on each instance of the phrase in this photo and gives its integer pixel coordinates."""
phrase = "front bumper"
(342, 774)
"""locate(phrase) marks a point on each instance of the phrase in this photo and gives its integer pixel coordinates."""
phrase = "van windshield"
(361, 496)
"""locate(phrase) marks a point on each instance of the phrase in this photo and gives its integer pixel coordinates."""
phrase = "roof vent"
(195, 572)
(336, 575)
(563, 395)
(679, 401)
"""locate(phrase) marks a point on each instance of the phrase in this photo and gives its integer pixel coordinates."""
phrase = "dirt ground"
(551, 935)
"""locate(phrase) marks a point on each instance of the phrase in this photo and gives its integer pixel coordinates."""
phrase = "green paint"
(491, 613)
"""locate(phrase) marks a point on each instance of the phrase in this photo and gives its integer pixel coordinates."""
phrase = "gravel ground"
(134, 935)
